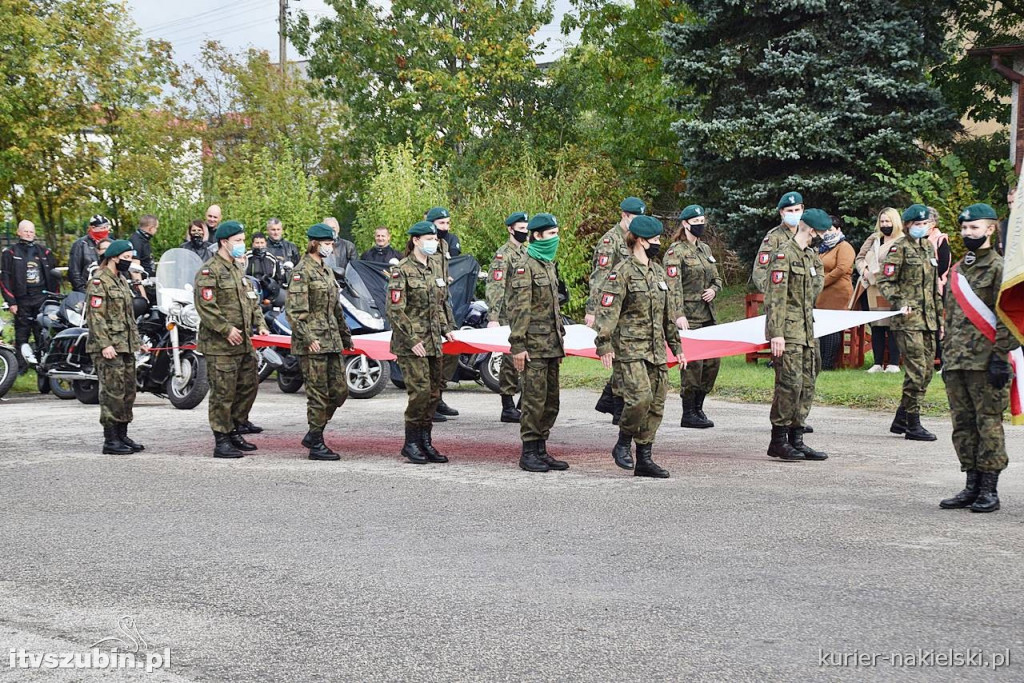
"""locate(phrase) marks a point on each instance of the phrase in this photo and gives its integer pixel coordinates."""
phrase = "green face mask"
(544, 250)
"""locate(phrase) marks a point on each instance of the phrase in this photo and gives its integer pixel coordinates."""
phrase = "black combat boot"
(623, 451)
(509, 412)
(542, 453)
(699, 401)
(122, 432)
(606, 404)
(239, 442)
(779, 446)
(988, 496)
(307, 440)
(318, 450)
(438, 417)
(411, 449)
(645, 467)
(899, 423)
(112, 444)
(446, 409)
(808, 429)
(691, 418)
(965, 497)
(796, 440)
(915, 432)
(620, 404)
(530, 459)
(246, 427)
(224, 447)
(428, 447)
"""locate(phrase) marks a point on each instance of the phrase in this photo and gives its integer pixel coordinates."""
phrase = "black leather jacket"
(83, 255)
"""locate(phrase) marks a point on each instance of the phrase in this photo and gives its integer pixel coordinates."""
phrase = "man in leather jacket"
(83, 252)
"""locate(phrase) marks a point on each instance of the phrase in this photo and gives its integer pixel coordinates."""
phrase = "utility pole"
(282, 20)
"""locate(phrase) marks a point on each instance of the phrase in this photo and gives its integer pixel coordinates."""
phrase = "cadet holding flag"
(536, 341)
(791, 210)
(319, 334)
(635, 320)
(421, 320)
(909, 281)
(229, 311)
(448, 247)
(508, 256)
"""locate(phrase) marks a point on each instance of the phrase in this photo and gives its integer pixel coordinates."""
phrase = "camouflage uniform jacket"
(508, 256)
(689, 270)
(224, 298)
(792, 291)
(634, 316)
(609, 251)
(418, 308)
(964, 346)
(772, 244)
(908, 278)
(531, 304)
(109, 314)
(314, 311)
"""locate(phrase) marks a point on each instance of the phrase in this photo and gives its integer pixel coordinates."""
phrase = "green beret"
(320, 231)
(118, 247)
(790, 199)
(978, 212)
(437, 212)
(422, 228)
(817, 219)
(646, 227)
(633, 205)
(915, 212)
(692, 211)
(228, 229)
(542, 221)
(517, 217)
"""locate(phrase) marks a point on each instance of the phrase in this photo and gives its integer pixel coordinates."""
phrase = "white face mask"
(428, 247)
(792, 218)
(326, 250)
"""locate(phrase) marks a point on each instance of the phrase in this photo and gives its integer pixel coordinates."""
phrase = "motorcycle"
(8, 362)
(56, 354)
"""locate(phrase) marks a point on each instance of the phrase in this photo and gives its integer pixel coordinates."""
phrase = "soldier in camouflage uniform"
(791, 209)
(448, 247)
(536, 341)
(909, 280)
(610, 250)
(319, 334)
(636, 317)
(789, 326)
(974, 364)
(229, 311)
(113, 341)
(693, 279)
(507, 258)
(421, 319)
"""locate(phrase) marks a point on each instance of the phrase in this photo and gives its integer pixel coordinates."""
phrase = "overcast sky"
(239, 24)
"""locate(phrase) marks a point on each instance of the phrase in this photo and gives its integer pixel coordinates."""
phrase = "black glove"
(999, 372)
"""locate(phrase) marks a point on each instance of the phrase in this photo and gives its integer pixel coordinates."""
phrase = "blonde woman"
(888, 230)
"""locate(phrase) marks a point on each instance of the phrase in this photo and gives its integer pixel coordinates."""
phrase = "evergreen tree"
(803, 95)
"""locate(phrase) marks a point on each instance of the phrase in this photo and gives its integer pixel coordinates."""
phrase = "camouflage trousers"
(233, 386)
(422, 377)
(540, 400)
(508, 377)
(917, 349)
(326, 387)
(699, 375)
(117, 387)
(977, 411)
(795, 375)
(644, 386)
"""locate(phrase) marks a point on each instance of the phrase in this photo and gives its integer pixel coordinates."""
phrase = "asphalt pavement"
(277, 568)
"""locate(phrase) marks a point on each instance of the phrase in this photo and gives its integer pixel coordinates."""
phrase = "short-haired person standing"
(506, 259)
(791, 210)
(536, 341)
(975, 366)
(229, 311)
(636, 318)
(909, 281)
(793, 285)
(421, 320)
(448, 247)
(141, 238)
(283, 250)
(83, 252)
(113, 341)
(26, 274)
(381, 251)
(197, 240)
(692, 276)
(319, 335)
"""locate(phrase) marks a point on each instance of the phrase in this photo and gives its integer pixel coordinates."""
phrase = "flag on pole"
(1010, 303)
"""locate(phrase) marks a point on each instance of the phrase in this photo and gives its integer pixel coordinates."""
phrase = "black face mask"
(697, 230)
(520, 236)
(196, 239)
(258, 251)
(886, 230)
(652, 250)
(816, 241)
(974, 243)
(123, 266)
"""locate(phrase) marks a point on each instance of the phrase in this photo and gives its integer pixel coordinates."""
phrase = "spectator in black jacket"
(140, 240)
(26, 274)
(260, 263)
(344, 251)
(283, 250)
(381, 251)
(83, 252)
(197, 242)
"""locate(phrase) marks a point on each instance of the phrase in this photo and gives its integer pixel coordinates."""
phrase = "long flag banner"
(1010, 304)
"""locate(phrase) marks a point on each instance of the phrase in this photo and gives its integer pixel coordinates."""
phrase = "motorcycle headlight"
(190, 316)
(75, 318)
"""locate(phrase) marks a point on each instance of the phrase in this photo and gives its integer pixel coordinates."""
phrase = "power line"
(230, 8)
(215, 33)
(217, 25)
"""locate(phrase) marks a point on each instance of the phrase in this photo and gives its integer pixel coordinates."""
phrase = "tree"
(803, 95)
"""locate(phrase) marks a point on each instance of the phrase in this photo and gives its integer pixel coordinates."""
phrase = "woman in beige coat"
(888, 230)
(837, 258)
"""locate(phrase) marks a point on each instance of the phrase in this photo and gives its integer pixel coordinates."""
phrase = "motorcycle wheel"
(190, 390)
(368, 383)
(8, 370)
(396, 374)
(62, 388)
(42, 382)
(87, 391)
(490, 368)
(263, 368)
(290, 382)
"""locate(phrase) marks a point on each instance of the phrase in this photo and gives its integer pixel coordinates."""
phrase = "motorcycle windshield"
(175, 277)
(359, 300)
